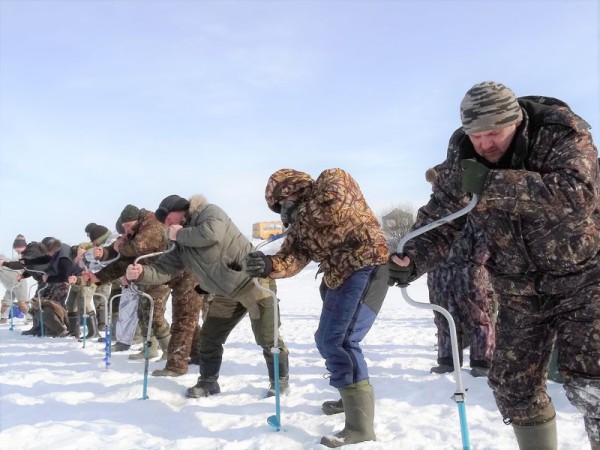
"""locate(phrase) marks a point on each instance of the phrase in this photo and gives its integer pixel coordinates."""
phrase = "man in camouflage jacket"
(331, 223)
(534, 165)
(145, 235)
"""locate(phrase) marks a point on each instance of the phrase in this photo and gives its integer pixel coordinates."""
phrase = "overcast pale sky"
(104, 103)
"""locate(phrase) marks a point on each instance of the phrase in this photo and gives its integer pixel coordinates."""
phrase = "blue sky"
(104, 103)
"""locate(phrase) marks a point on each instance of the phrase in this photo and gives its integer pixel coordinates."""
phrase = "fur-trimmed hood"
(197, 202)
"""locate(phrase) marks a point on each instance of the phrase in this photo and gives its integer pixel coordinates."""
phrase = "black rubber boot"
(332, 407)
(359, 405)
(73, 319)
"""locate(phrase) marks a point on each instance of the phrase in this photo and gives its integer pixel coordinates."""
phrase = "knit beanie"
(19, 242)
(170, 204)
(129, 214)
(489, 106)
(89, 227)
(97, 232)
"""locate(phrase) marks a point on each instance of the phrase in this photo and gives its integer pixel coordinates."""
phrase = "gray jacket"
(210, 246)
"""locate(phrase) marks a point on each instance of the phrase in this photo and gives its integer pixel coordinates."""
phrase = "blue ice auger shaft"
(459, 395)
(148, 342)
(274, 421)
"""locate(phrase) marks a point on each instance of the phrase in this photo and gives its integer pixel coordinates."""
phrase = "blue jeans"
(347, 316)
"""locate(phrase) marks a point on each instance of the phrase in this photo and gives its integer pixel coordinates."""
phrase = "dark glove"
(398, 274)
(289, 212)
(473, 176)
(257, 265)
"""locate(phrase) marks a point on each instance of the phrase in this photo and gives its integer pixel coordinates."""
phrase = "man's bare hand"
(134, 271)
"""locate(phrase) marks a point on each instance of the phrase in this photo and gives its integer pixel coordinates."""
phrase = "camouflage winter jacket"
(335, 226)
(149, 237)
(540, 208)
(210, 246)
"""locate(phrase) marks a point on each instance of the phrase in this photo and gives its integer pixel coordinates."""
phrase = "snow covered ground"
(56, 394)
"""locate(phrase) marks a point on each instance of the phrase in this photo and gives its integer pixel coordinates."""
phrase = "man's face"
(174, 218)
(129, 227)
(19, 250)
(492, 145)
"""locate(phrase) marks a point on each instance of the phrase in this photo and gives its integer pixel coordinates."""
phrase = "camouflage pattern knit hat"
(489, 106)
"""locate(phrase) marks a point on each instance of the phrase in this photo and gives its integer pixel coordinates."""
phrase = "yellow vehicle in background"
(265, 230)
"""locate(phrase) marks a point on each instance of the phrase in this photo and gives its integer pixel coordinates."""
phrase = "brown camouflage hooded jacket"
(335, 226)
(540, 208)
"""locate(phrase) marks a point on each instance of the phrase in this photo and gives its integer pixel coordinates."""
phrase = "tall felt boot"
(163, 342)
(153, 351)
(92, 326)
(73, 324)
(359, 404)
(541, 436)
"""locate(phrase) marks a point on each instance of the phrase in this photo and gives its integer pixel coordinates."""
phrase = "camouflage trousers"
(160, 326)
(185, 329)
(526, 331)
(470, 299)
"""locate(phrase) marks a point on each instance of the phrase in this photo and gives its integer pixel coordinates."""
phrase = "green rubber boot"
(359, 405)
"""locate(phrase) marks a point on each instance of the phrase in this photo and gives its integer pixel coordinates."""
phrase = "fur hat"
(489, 106)
(170, 204)
(19, 242)
(97, 232)
(129, 214)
